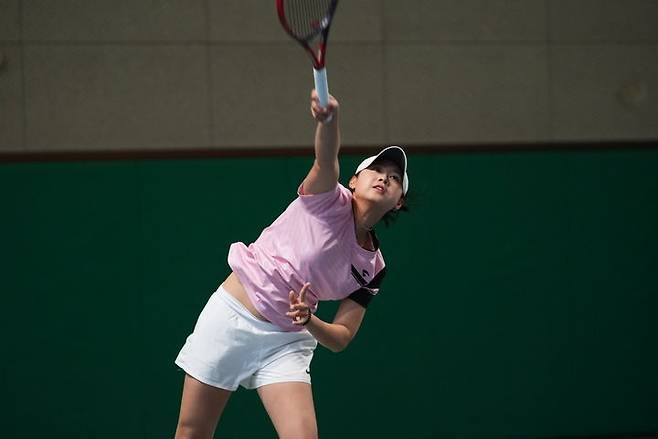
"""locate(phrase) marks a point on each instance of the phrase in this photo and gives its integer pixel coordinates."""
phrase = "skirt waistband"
(240, 309)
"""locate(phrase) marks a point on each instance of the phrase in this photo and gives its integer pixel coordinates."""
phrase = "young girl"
(258, 329)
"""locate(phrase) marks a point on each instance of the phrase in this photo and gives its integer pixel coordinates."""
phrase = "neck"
(364, 221)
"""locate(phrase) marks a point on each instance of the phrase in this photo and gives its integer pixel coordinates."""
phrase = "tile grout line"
(209, 79)
(384, 78)
(549, 71)
(21, 63)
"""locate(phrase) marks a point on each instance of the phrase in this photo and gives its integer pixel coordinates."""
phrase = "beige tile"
(244, 20)
(9, 20)
(11, 99)
(116, 97)
(605, 92)
(465, 20)
(117, 20)
(358, 82)
(467, 93)
(604, 20)
(261, 94)
(358, 20)
(249, 20)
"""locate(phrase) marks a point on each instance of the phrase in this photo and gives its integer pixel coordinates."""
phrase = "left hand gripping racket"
(308, 22)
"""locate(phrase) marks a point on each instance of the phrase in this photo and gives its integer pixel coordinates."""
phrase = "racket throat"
(317, 53)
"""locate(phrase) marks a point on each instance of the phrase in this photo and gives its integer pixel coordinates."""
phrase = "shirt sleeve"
(327, 205)
(364, 295)
(361, 296)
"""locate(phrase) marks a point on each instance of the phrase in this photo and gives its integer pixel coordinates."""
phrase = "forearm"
(332, 336)
(327, 141)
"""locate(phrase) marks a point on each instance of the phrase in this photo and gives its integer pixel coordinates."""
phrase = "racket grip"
(321, 86)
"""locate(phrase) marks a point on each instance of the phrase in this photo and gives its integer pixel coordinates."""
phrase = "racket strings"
(308, 18)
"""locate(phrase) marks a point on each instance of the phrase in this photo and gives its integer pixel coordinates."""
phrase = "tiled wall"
(179, 74)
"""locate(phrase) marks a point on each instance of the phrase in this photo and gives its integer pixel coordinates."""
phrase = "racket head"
(308, 22)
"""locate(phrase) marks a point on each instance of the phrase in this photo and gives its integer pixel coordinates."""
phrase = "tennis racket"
(308, 22)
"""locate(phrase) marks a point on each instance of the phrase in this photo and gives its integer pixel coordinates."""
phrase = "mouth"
(379, 188)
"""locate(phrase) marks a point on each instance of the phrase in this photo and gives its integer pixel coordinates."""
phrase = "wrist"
(308, 319)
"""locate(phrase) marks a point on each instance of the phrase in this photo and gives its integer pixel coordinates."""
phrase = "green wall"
(520, 302)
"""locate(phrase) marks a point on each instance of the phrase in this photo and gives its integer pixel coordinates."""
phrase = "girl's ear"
(352, 182)
(399, 204)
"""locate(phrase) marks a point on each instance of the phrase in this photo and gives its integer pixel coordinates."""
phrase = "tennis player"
(258, 330)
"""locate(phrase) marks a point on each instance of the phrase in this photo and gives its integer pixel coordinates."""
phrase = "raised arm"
(324, 173)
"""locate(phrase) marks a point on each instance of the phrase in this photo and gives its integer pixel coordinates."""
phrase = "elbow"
(327, 162)
(339, 346)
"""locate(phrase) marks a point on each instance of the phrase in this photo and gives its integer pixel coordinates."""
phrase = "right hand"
(321, 114)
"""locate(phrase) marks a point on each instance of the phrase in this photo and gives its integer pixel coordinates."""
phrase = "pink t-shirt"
(314, 241)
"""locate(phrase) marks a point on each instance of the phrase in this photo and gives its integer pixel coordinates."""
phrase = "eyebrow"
(387, 162)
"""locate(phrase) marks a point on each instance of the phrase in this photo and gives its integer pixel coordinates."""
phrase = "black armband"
(361, 296)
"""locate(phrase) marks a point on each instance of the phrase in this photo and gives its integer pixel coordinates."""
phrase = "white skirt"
(231, 347)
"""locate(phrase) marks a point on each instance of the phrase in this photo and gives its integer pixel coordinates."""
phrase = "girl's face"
(379, 183)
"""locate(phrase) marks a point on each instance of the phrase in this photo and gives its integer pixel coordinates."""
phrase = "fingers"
(302, 292)
(299, 314)
(298, 318)
(315, 98)
(299, 309)
(322, 114)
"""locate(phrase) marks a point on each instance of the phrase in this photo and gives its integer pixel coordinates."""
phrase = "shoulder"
(336, 189)
(338, 199)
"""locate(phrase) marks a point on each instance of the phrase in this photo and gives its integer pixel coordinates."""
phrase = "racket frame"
(318, 55)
